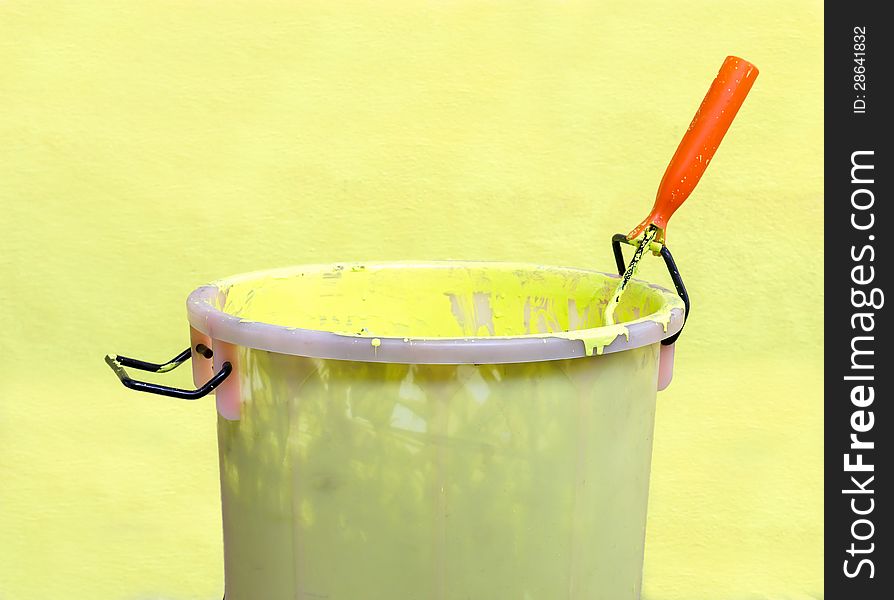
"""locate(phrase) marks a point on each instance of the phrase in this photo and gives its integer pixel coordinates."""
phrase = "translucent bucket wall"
(433, 431)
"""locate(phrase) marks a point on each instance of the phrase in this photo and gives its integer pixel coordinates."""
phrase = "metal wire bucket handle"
(117, 364)
(618, 238)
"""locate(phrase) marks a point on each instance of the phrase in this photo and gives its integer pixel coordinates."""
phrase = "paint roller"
(699, 143)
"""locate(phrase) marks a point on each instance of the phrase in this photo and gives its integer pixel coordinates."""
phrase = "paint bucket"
(432, 430)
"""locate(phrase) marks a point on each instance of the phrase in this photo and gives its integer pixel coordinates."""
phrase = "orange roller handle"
(710, 123)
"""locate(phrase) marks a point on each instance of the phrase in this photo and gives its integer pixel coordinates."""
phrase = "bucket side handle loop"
(117, 364)
(665, 253)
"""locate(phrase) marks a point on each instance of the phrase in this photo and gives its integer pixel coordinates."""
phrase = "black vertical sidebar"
(859, 386)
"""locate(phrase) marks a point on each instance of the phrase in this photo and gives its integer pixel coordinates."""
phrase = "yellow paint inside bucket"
(445, 300)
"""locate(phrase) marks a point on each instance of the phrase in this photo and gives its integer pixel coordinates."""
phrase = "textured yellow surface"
(149, 147)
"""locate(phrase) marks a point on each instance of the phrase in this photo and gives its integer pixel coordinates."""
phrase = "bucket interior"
(449, 300)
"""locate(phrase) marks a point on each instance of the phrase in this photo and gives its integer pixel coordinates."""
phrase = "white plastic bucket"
(433, 430)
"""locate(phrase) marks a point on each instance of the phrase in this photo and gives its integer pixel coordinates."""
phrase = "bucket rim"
(206, 318)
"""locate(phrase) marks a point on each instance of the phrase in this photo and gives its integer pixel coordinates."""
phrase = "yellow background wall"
(149, 147)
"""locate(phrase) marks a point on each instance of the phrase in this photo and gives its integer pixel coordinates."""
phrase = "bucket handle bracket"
(117, 364)
(672, 269)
